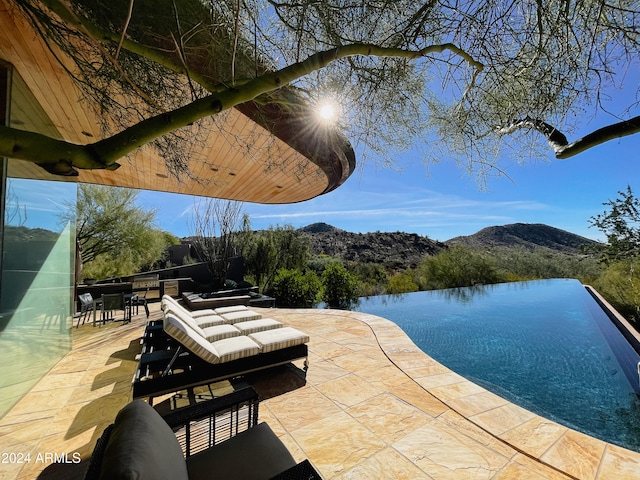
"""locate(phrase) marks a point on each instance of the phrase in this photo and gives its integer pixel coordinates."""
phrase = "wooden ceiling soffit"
(253, 153)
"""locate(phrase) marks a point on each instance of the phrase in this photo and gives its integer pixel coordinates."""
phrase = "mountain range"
(407, 249)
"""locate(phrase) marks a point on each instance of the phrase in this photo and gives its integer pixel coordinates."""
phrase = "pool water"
(544, 345)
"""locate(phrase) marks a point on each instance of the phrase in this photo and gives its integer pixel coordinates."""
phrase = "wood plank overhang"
(250, 154)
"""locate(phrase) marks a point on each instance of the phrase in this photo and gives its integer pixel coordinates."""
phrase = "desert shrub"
(457, 266)
(402, 283)
(340, 288)
(292, 288)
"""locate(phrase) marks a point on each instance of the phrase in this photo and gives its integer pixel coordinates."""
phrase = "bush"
(401, 283)
(292, 288)
(456, 266)
(340, 286)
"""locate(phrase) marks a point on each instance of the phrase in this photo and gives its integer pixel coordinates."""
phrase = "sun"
(327, 111)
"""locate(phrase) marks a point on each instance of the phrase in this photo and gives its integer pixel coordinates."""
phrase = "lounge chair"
(165, 368)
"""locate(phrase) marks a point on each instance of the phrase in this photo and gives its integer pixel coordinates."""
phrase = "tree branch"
(64, 156)
(559, 143)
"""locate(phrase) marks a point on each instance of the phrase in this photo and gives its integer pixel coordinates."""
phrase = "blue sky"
(441, 204)
(446, 202)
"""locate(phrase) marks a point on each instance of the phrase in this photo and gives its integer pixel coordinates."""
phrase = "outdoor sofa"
(197, 301)
(184, 351)
(215, 439)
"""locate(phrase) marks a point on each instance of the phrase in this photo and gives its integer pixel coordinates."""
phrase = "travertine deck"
(373, 406)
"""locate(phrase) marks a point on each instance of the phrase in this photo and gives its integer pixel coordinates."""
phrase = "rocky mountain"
(407, 249)
(397, 248)
(527, 235)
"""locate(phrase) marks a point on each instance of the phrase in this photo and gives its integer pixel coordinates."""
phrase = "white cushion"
(240, 316)
(202, 322)
(192, 340)
(231, 308)
(253, 326)
(278, 338)
(219, 332)
(168, 302)
(235, 347)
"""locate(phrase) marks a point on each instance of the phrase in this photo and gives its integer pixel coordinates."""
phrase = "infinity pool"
(544, 345)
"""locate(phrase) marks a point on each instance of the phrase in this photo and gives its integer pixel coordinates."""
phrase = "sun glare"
(327, 111)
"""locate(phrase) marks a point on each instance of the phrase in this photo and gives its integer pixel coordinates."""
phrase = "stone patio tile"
(456, 390)
(619, 463)
(388, 376)
(417, 396)
(451, 420)
(349, 390)
(448, 454)
(323, 371)
(502, 419)
(301, 407)
(535, 436)
(388, 417)
(441, 379)
(337, 443)
(387, 464)
(356, 361)
(523, 467)
(328, 350)
(577, 454)
(476, 403)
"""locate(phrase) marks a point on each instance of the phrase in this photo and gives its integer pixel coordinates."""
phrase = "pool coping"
(556, 446)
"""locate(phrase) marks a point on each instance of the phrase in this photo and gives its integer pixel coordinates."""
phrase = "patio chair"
(112, 302)
(141, 300)
(86, 306)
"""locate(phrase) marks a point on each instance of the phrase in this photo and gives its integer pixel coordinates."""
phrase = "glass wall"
(36, 293)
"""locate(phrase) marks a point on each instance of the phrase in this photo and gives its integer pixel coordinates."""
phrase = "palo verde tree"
(215, 226)
(114, 235)
(482, 78)
(620, 281)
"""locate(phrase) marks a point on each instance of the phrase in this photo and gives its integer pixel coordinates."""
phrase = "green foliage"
(292, 288)
(620, 285)
(340, 286)
(115, 236)
(620, 282)
(621, 225)
(135, 257)
(372, 278)
(268, 251)
(402, 283)
(456, 266)
(519, 264)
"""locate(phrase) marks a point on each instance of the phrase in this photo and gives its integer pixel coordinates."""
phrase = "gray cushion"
(142, 446)
(255, 454)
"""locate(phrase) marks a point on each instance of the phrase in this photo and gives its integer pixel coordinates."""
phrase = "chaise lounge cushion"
(167, 300)
(142, 447)
(241, 316)
(254, 454)
(253, 326)
(279, 338)
(231, 308)
(202, 322)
